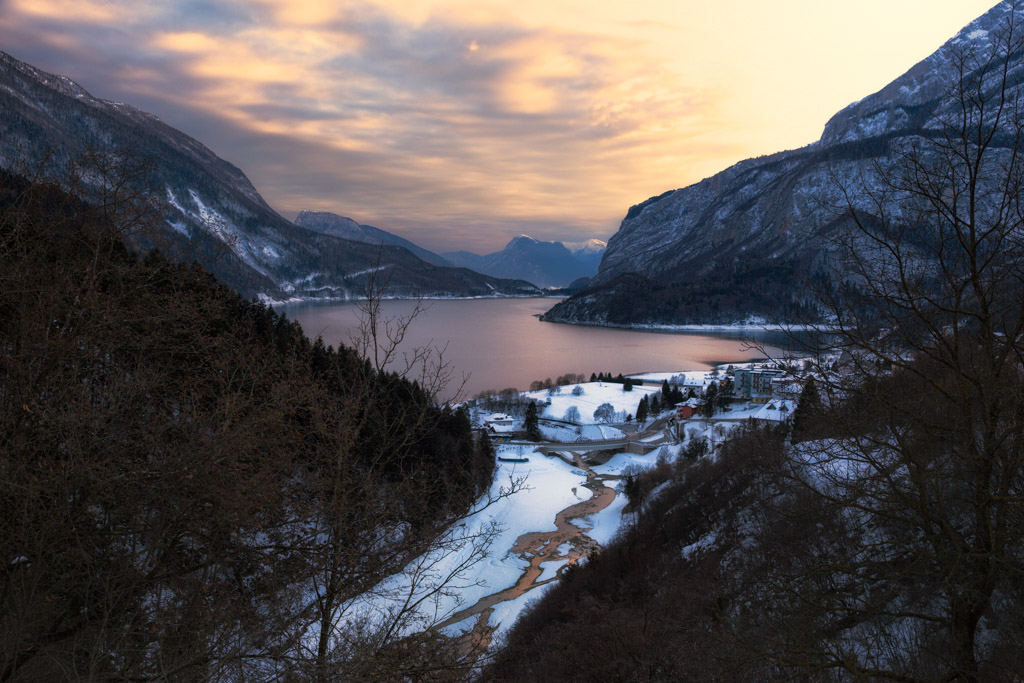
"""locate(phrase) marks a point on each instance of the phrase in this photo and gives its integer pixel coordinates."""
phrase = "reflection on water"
(500, 343)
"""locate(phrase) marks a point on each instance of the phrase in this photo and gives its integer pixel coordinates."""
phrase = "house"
(775, 411)
(687, 409)
(501, 426)
(788, 388)
(695, 383)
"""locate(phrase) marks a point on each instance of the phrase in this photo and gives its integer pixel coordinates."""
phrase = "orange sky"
(461, 124)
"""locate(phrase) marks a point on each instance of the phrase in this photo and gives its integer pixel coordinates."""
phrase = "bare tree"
(922, 464)
(386, 569)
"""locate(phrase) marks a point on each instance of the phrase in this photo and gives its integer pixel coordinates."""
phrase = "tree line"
(192, 488)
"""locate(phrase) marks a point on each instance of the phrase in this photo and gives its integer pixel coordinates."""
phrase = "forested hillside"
(191, 489)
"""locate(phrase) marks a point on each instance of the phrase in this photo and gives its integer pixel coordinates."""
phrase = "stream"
(537, 547)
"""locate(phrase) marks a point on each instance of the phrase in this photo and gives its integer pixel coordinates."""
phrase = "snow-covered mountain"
(739, 243)
(207, 209)
(588, 253)
(341, 226)
(547, 264)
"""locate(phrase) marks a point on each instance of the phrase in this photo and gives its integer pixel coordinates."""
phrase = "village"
(573, 448)
(644, 411)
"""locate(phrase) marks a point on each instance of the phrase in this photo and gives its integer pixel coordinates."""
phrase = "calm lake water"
(500, 343)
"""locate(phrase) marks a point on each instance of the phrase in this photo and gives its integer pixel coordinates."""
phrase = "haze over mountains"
(741, 244)
(547, 264)
(207, 209)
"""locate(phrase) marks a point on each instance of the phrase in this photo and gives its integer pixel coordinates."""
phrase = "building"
(500, 426)
(687, 409)
(755, 384)
(775, 411)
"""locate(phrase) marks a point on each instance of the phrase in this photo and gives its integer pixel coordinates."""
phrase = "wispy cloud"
(460, 124)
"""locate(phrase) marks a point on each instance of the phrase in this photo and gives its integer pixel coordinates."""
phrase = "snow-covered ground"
(548, 486)
(594, 394)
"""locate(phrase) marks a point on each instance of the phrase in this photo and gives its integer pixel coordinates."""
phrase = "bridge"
(630, 443)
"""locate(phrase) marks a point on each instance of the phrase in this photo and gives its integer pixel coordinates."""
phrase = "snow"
(700, 545)
(594, 394)
(506, 613)
(620, 461)
(607, 522)
(600, 432)
(549, 569)
(555, 432)
(551, 485)
(174, 202)
(549, 489)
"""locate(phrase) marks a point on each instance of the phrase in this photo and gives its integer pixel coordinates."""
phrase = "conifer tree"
(530, 423)
(710, 396)
(808, 406)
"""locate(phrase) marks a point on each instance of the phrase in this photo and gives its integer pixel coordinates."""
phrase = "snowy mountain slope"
(346, 228)
(208, 209)
(547, 264)
(746, 236)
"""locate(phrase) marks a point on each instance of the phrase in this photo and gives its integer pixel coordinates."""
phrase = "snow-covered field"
(594, 395)
(550, 485)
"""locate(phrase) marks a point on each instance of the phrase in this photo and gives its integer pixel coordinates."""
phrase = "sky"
(461, 124)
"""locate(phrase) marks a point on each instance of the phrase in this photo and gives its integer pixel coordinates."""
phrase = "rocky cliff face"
(739, 244)
(206, 208)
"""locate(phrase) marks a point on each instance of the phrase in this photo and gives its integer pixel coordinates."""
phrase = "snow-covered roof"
(777, 410)
(693, 403)
(501, 428)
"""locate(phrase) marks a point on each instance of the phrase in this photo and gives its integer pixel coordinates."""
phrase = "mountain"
(738, 244)
(547, 264)
(205, 208)
(339, 226)
(588, 253)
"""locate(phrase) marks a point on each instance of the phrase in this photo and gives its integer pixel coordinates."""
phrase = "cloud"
(431, 124)
(462, 123)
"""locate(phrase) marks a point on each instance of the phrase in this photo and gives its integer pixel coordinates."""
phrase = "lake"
(498, 343)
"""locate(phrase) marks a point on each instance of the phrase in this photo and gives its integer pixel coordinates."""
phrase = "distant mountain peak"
(591, 246)
(522, 239)
(548, 264)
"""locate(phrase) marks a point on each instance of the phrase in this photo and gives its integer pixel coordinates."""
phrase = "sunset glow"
(461, 124)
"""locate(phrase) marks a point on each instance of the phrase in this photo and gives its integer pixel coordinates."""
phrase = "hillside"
(747, 241)
(332, 224)
(210, 212)
(189, 483)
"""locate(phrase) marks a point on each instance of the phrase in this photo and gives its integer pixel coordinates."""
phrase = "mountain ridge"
(769, 210)
(346, 228)
(547, 264)
(209, 210)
